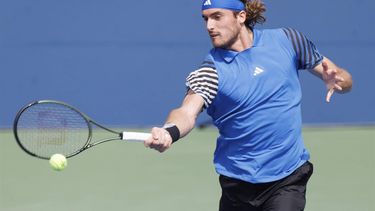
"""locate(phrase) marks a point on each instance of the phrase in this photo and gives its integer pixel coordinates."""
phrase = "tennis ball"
(58, 162)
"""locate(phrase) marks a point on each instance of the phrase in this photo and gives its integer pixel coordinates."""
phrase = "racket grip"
(135, 136)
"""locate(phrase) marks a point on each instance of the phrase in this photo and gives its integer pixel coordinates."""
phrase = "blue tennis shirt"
(256, 104)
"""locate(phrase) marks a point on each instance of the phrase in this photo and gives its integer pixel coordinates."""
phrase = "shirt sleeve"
(307, 55)
(204, 82)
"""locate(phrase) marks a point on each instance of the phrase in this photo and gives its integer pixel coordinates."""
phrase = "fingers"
(328, 71)
(159, 140)
(339, 79)
(329, 95)
(331, 72)
(338, 87)
(332, 80)
(331, 90)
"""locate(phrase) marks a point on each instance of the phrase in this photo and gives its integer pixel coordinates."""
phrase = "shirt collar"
(229, 55)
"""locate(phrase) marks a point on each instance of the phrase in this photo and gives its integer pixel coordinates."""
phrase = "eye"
(217, 17)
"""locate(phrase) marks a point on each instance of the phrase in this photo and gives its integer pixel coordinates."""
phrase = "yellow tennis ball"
(58, 162)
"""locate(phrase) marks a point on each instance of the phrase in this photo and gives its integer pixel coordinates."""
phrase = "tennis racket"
(46, 127)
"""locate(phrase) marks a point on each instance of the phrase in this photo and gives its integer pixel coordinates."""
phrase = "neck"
(244, 41)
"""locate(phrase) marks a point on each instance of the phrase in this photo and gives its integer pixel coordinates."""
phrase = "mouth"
(214, 35)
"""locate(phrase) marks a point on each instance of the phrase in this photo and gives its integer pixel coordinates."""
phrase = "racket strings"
(46, 129)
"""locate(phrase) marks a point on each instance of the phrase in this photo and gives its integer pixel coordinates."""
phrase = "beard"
(225, 43)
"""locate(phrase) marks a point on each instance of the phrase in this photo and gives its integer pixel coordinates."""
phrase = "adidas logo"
(257, 71)
(207, 3)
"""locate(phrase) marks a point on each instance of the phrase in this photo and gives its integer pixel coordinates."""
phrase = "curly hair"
(254, 12)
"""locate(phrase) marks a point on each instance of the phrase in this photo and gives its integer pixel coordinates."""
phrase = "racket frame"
(89, 122)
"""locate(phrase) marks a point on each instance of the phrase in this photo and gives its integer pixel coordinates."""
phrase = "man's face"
(223, 26)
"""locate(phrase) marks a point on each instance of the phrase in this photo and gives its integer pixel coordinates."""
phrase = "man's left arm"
(336, 78)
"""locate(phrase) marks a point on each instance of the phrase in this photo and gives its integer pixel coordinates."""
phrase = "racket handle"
(135, 136)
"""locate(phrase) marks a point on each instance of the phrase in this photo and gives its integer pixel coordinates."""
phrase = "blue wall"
(125, 62)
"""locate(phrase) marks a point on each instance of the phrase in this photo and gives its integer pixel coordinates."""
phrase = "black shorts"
(287, 194)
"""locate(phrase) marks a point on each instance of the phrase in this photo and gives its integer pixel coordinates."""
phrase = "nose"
(210, 25)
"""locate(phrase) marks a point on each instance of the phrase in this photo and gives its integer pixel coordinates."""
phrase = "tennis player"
(249, 85)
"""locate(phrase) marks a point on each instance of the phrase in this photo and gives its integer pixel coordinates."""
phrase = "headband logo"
(235, 5)
(207, 3)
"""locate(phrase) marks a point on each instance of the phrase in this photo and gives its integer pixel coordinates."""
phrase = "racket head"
(46, 127)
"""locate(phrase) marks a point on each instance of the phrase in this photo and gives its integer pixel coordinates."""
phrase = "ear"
(241, 16)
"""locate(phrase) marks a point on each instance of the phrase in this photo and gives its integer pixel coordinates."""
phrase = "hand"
(159, 140)
(332, 80)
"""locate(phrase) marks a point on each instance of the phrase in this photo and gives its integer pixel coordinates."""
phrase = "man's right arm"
(203, 87)
(183, 118)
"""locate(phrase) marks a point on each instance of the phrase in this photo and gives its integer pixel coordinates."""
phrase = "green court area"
(127, 176)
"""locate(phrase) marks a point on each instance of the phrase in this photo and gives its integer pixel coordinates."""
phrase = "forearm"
(184, 121)
(180, 122)
(185, 116)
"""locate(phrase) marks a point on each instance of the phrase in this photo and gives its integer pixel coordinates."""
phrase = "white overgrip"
(135, 136)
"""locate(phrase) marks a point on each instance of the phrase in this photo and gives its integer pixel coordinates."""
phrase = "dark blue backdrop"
(125, 62)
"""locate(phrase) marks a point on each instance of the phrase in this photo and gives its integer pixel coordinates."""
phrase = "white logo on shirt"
(257, 71)
(207, 3)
